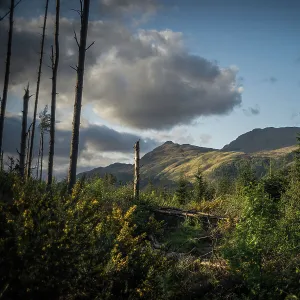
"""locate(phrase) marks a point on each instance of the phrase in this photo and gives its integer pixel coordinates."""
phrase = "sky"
(201, 72)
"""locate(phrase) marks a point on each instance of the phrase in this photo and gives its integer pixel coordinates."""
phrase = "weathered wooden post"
(136, 182)
(24, 132)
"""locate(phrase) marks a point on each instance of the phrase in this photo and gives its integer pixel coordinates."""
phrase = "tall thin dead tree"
(28, 144)
(6, 14)
(45, 121)
(38, 160)
(37, 88)
(1, 161)
(84, 17)
(136, 181)
(55, 61)
(24, 132)
(7, 70)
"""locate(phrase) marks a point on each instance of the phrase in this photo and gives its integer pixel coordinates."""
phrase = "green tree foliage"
(224, 186)
(110, 179)
(182, 192)
(100, 243)
(246, 174)
(84, 246)
(200, 186)
(274, 185)
(263, 248)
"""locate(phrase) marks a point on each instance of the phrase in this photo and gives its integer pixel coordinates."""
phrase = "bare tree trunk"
(6, 14)
(1, 161)
(55, 61)
(78, 93)
(38, 160)
(37, 89)
(28, 143)
(136, 182)
(42, 156)
(24, 133)
(7, 70)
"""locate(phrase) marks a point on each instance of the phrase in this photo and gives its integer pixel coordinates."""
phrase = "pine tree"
(182, 190)
(200, 186)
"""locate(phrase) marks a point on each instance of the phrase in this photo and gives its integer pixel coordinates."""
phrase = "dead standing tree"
(28, 134)
(1, 162)
(84, 18)
(136, 181)
(22, 153)
(45, 121)
(6, 14)
(37, 89)
(7, 70)
(55, 61)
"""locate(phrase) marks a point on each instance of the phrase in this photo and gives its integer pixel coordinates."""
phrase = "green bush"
(83, 246)
(263, 242)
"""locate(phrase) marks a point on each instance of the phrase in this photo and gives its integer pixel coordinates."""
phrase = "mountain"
(123, 172)
(264, 139)
(155, 165)
(167, 157)
(165, 164)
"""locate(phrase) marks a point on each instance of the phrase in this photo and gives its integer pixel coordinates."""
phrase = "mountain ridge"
(167, 162)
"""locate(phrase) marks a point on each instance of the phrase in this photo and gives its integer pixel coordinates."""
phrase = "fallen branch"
(187, 213)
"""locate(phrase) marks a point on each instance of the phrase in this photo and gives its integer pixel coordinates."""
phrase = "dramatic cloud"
(144, 80)
(162, 85)
(251, 111)
(100, 138)
(99, 145)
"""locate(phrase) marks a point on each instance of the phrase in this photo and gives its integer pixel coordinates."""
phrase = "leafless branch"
(3, 17)
(75, 37)
(89, 46)
(78, 11)
(74, 68)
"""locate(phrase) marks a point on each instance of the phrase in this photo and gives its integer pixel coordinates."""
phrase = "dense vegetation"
(234, 237)
(100, 243)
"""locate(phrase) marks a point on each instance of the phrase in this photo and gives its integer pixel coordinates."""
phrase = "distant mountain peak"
(168, 143)
(263, 139)
(166, 163)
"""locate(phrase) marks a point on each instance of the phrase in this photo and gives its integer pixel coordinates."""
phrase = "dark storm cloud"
(99, 138)
(106, 139)
(146, 80)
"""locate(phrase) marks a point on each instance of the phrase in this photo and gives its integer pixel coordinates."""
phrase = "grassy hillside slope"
(169, 161)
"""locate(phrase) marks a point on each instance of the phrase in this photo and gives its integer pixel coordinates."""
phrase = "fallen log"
(187, 213)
